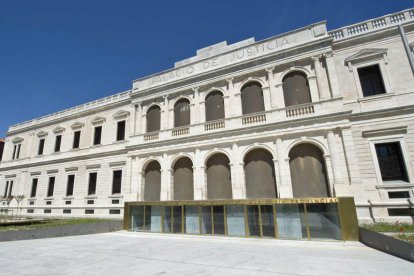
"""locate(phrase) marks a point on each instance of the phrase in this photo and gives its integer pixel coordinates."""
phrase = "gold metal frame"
(348, 223)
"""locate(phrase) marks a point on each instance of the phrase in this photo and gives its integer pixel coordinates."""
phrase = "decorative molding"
(71, 169)
(55, 171)
(385, 132)
(77, 125)
(121, 114)
(10, 176)
(93, 166)
(98, 120)
(117, 164)
(41, 134)
(17, 140)
(371, 53)
(35, 173)
(58, 130)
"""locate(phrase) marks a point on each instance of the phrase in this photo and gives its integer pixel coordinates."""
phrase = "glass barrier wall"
(310, 220)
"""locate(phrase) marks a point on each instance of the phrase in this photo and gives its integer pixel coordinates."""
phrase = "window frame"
(113, 178)
(41, 146)
(31, 187)
(354, 65)
(67, 184)
(390, 139)
(94, 135)
(117, 130)
(73, 140)
(89, 183)
(48, 196)
(56, 142)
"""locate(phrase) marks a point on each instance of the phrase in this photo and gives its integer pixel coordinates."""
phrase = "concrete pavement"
(125, 253)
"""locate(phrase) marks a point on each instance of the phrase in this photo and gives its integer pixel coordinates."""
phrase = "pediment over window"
(58, 129)
(121, 114)
(98, 120)
(17, 140)
(77, 125)
(41, 134)
(367, 54)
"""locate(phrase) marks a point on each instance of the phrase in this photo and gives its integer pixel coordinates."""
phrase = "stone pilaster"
(332, 75)
(323, 86)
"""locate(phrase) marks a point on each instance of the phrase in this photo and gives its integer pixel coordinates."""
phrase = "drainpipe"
(407, 47)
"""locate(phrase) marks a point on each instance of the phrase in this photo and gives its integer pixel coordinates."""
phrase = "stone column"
(350, 154)
(238, 182)
(133, 118)
(332, 75)
(200, 190)
(235, 100)
(272, 87)
(322, 85)
(285, 183)
(164, 120)
(138, 118)
(313, 87)
(134, 178)
(334, 157)
(279, 98)
(195, 108)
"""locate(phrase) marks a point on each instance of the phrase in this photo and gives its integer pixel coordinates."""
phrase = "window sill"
(376, 97)
(116, 196)
(68, 198)
(91, 197)
(394, 184)
(120, 141)
(49, 198)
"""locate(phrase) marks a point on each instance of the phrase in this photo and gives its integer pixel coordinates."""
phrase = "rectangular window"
(58, 142)
(400, 194)
(391, 161)
(6, 188)
(71, 183)
(76, 139)
(10, 188)
(92, 183)
(41, 147)
(16, 151)
(116, 182)
(34, 187)
(97, 135)
(51, 186)
(371, 80)
(120, 134)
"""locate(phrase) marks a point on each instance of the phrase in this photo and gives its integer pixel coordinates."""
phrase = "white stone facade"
(339, 120)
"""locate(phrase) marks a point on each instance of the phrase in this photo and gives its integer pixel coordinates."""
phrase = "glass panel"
(290, 221)
(253, 219)
(153, 218)
(235, 220)
(137, 218)
(268, 226)
(206, 226)
(323, 221)
(192, 221)
(167, 219)
(218, 217)
(177, 219)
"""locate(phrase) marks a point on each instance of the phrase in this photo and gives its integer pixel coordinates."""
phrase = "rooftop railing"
(373, 25)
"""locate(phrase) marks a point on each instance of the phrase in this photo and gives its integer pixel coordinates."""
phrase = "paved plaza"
(124, 253)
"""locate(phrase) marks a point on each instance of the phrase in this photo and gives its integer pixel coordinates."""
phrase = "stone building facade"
(309, 113)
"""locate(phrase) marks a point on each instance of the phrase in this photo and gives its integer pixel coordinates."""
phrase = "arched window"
(183, 179)
(182, 113)
(214, 106)
(152, 184)
(218, 177)
(252, 98)
(154, 118)
(296, 89)
(260, 174)
(308, 171)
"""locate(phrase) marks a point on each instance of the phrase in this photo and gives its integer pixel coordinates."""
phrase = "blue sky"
(56, 54)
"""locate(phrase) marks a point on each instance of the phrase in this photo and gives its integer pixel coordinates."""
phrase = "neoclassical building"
(308, 113)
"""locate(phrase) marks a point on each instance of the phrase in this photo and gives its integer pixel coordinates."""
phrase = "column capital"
(270, 69)
(195, 89)
(230, 80)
